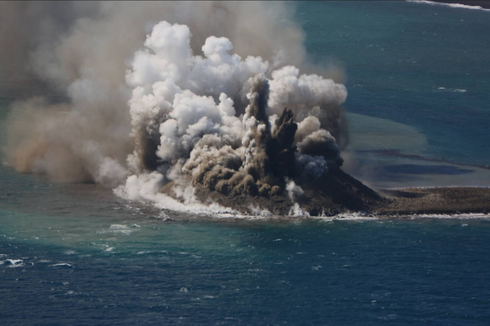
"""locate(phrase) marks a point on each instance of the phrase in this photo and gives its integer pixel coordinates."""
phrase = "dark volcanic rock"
(334, 192)
(337, 192)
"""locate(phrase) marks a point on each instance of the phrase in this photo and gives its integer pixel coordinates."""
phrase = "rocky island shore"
(444, 200)
(337, 193)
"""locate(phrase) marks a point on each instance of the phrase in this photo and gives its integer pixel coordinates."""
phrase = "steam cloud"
(213, 99)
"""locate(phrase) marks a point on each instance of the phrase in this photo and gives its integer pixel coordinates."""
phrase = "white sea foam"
(298, 213)
(216, 211)
(296, 210)
(373, 217)
(14, 263)
(152, 252)
(452, 90)
(468, 216)
(347, 217)
(452, 5)
(62, 265)
(145, 187)
(257, 211)
(119, 229)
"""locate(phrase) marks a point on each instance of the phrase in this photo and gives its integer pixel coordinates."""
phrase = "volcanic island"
(281, 178)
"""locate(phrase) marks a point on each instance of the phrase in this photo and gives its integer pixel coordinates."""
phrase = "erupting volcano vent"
(184, 119)
(189, 134)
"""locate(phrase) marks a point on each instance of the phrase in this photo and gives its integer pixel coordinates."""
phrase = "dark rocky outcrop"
(333, 193)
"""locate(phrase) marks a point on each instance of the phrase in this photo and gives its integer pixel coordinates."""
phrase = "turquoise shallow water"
(76, 254)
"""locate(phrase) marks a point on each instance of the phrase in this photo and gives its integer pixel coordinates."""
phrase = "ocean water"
(420, 65)
(416, 64)
(418, 77)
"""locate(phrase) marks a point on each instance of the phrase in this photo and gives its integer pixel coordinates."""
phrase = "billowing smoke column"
(186, 126)
(225, 109)
(74, 55)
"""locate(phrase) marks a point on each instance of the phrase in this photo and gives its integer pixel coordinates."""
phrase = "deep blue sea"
(418, 77)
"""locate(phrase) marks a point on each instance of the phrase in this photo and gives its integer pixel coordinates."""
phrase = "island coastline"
(337, 193)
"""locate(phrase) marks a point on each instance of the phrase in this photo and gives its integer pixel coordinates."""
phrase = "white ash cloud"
(77, 53)
(186, 126)
(201, 102)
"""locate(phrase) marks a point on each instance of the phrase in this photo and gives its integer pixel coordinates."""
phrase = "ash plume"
(181, 95)
(183, 106)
